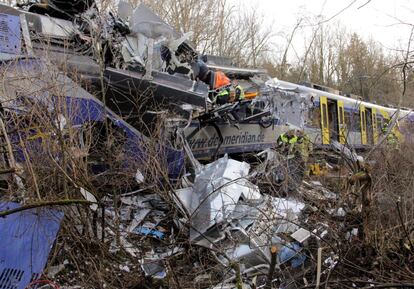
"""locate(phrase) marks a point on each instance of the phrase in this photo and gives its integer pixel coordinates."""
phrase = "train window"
(347, 119)
(341, 113)
(365, 120)
(379, 125)
(380, 121)
(352, 121)
(364, 123)
(357, 121)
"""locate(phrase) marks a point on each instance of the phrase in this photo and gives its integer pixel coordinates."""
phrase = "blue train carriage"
(30, 84)
(348, 120)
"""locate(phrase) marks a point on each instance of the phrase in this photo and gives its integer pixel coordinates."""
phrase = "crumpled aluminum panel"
(217, 189)
(144, 21)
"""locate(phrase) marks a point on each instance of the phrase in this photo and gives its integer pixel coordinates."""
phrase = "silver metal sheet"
(144, 21)
(218, 189)
(54, 27)
(301, 235)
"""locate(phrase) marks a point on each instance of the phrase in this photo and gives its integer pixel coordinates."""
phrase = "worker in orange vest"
(222, 88)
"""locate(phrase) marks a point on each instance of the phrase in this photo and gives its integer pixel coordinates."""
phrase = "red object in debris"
(43, 282)
(220, 80)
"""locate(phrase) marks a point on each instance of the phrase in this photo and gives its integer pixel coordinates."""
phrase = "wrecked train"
(223, 205)
(143, 66)
(34, 95)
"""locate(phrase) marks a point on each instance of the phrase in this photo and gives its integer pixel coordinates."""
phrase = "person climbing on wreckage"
(218, 81)
(238, 91)
(223, 96)
(287, 142)
(221, 86)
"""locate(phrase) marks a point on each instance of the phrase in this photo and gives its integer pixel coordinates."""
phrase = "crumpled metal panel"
(217, 189)
(81, 107)
(125, 10)
(242, 247)
(144, 21)
(287, 103)
(260, 224)
(287, 211)
(41, 24)
(165, 88)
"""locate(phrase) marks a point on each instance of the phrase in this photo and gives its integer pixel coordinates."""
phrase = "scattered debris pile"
(216, 229)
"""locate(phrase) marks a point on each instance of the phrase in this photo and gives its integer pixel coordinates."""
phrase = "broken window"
(352, 121)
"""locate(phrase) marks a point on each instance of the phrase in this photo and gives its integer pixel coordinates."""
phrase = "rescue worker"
(287, 141)
(238, 91)
(305, 145)
(221, 87)
(305, 148)
(223, 96)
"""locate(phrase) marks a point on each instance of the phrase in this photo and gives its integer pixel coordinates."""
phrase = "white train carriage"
(347, 120)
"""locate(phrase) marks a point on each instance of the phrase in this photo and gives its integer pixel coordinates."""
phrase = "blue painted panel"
(26, 239)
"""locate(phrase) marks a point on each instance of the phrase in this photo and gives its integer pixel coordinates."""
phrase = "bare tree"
(218, 27)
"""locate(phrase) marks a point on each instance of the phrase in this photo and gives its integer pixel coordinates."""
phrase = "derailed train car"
(281, 106)
(271, 108)
(35, 94)
(333, 117)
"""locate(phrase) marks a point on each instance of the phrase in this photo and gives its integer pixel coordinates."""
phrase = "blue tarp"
(149, 232)
(292, 252)
(25, 241)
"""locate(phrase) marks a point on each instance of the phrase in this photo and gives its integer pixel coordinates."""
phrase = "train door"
(363, 118)
(341, 122)
(374, 125)
(333, 120)
(324, 119)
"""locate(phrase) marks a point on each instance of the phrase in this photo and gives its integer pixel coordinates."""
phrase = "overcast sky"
(377, 19)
